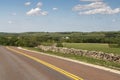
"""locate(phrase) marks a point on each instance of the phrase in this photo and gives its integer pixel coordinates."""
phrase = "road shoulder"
(79, 62)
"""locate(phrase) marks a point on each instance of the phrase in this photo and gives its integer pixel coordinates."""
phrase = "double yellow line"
(74, 77)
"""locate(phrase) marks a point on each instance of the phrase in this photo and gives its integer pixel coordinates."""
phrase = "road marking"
(74, 77)
(76, 61)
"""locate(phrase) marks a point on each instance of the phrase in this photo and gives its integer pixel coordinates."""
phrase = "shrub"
(59, 44)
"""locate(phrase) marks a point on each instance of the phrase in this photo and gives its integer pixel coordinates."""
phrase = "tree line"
(32, 39)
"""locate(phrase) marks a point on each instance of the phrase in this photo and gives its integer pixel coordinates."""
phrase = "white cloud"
(55, 9)
(10, 22)
(39, 4)
(106, 10)
(44, 13)
(89, 6)
(95, 8)
(36, 11)
(27, 4)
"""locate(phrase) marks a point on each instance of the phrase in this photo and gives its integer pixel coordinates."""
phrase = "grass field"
(93, 47)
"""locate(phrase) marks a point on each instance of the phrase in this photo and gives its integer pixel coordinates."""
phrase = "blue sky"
(59, 15)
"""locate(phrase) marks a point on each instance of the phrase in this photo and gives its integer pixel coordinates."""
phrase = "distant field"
(93, 47)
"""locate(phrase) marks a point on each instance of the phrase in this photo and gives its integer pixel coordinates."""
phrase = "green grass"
(47, 44)
(93, 47)
(109, 64)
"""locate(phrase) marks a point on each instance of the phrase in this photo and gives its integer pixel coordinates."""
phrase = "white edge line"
(87, 64)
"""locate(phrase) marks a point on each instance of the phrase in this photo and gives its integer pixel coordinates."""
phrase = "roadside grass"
(104, 63)
(93, 47)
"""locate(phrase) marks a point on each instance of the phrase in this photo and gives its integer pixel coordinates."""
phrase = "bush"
(59, 45)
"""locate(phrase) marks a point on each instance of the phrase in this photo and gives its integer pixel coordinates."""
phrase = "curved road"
(17, 66)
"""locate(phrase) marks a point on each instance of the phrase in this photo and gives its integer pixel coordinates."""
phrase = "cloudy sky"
(59, 15)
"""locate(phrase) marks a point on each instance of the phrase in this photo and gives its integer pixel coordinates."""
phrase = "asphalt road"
(15, 66)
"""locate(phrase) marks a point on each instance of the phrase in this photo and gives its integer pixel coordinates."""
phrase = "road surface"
(15, 65)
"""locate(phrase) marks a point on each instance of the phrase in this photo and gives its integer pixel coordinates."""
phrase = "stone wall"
(93, 54)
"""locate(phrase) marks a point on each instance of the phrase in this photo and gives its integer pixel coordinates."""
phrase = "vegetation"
(93, 47)
(32, 39)
(82, 58)
(79, 40)
(108, 42)
(59, 44)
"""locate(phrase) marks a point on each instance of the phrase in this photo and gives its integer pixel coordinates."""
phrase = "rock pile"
(93, 54)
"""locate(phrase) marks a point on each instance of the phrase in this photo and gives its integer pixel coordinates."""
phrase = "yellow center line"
(74, 77)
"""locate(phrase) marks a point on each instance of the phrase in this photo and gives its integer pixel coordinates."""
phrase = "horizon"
(59, 32)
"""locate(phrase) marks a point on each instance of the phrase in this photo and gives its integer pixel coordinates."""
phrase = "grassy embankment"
(109, 64)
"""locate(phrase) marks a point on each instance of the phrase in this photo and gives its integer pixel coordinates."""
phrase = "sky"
(59, 15)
